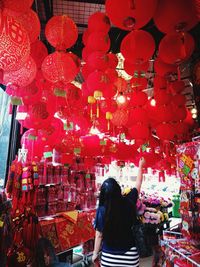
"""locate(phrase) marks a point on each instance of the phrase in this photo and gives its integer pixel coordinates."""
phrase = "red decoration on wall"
(59, 67)
(129, 14)
(61, 32)
(14, 44)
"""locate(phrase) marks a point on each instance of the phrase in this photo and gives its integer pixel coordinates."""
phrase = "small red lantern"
(21, 6)
(120, 117)
(162, 97)
(31, 24)
(59, 67)
(86, 51)
(108, 105)
(112, 75)
(61, 32)
(98, 41)
(138, 99)
(180, 113)
(23, 76)
(97, 60)
(112, 60)
(177, 47)
(138, 83)
(160, 83)
(97, 80)
(175, 15)
(121, 84)
(85, 36)
(129, 15)
(134, 68)
(177, 87)
(86, 70)
(109, 91)
(138, 115)
(132, 46)
(14, 45)
(38, 52)
(181, 128)
(163, 69)
(98, 21)
(165, 131)
(164, 113)
(90, 145)
(179, 100)
(139, 131)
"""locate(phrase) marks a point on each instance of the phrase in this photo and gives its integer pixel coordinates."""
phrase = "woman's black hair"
(115, 223)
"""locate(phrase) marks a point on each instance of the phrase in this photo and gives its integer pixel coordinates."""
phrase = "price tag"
(47, 154)
(21, 115)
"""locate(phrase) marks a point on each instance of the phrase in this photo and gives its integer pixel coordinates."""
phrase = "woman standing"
(114, 218)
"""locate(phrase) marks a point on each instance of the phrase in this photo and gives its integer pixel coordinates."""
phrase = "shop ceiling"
(80, 10)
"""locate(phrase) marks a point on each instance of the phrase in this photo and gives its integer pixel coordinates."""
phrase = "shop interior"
(87, 89)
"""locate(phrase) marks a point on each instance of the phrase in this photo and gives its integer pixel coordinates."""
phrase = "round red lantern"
(175, 48)
(112, 60)
(86, 70)
(98, 21)
(112, 75)
(97, 60)
(129, 15)
(159, 83)
(23, 76)
(108, 105)
(59, 67)
(165, 131)
(120, 117)
(162, 97)
(85, 36)
(138, 115)
(180, 113)
(86, 51)
(31, 24)
(177, 87)
(138, 83)
(61, 32)
(121, 84)
(134, 68)
(132, 46)
(98, 41)
(179, 100)
(14, 45)
(90, 145)
(173, 16)
(109, 91)
(139, 131)
(97, 81)
(181, 128)
(163, 69)
(38, 52)
(164, 113)
(138, 99)
(21, 6)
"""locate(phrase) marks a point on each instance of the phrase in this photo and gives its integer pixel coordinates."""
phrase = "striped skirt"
(129, 258)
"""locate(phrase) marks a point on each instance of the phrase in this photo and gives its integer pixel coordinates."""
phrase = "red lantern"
(74, 95)
(38, 52)
(175, 48)
(138, 99)
(132, 46)
(98, 41)
(181, 128)
(61, 32)
(180, 113)
(108, 105)
(120, 117)
(86, 51)
(163, 69)
(86, 70)
(138, 83)
(112, 75)
(97, 60)
(177, 87)
(97, 80)
(59, 67)
(14, 45)
(179, 100)
(175, 15)
(90, 145)
(23, 76)
(138, 115)
(159, 83)
(112, 60)
(21, 6)
(128, 14)
(121, 85)
(162, 97)
(165, 131)
(164, 113)
(98, 21)
(31, 24)
(134, 68)
(109, 91)
(85, 36)
(139, 132)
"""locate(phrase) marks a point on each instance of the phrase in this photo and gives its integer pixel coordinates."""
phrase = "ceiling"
(80, 10)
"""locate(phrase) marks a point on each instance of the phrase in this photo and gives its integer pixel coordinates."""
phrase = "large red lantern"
(132, 46)
(23, 76)
(59, 67)
(86, 51)
(138, 115)
(61, 32)
(38, 52)
(120, 117)
(21, 6)
(14, 45)
(163, 69)
(134, 68)
(129, 14)
(109, 91)
(31, 24)
(98, 41)
(165, 131)
(139, 131)
(108, 105)
(90, 145)
(175, 48)
(138, 99)
(97, 60)
(97, 80)
(121, 84)
(162, 97)
(98, 22)
(175, 15)
(181, 128)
